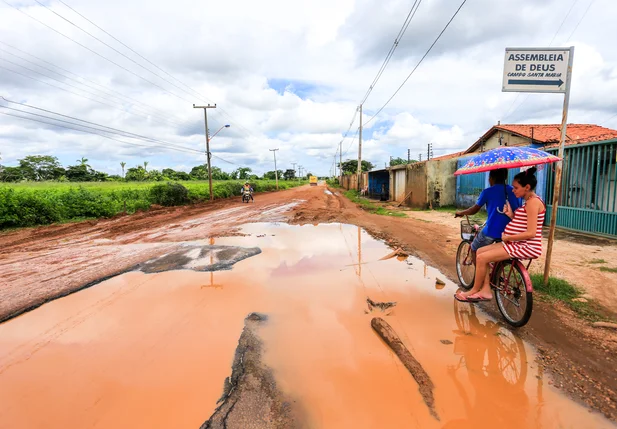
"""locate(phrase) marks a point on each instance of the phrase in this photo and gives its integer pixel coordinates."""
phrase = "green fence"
(588, 197)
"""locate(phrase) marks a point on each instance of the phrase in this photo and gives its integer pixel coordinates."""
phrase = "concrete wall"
(351, 181)
(441, 182)
(506, 139)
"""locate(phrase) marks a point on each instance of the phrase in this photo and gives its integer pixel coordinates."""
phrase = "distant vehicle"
(313, 181)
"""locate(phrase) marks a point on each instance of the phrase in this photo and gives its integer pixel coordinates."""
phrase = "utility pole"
(208, 155)
(293, 164)
(359, 171)
(420, 157)
(340, 165)
(408, 156)
(276, 173)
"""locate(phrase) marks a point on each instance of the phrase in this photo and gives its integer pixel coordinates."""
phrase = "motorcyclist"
(247, 188)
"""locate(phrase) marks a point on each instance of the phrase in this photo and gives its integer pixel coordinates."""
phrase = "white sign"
(535, 70)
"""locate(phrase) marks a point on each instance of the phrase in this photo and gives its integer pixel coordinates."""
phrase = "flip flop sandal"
(472, 298)
(462, 299)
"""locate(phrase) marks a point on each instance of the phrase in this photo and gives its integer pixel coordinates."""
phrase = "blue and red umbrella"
(506, 157)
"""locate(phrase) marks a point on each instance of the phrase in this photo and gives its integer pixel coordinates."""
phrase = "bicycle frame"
(520, 265)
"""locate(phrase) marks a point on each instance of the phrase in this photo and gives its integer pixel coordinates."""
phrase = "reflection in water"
(212, 285)
(496, 364)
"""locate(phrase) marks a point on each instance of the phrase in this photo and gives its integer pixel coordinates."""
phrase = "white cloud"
(319, 57)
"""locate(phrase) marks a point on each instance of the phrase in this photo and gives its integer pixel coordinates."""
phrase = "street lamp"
(224, 126)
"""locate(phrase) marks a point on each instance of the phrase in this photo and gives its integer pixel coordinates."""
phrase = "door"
(400, 179)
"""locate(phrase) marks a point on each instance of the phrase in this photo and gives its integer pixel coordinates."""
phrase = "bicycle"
(509, 279)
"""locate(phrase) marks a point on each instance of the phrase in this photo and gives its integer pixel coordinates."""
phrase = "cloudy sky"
(284, 74)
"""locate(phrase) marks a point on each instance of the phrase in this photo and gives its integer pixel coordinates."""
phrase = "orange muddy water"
(153, 350)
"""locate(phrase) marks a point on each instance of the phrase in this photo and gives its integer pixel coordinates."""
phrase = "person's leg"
(493, 253)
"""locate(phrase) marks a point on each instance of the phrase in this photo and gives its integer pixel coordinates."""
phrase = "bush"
(25, 209)
(169, 194)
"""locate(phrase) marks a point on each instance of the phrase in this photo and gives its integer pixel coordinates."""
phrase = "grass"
(608, 270)
(597, 261)
(43, 203)
(370, 206)
(561, 290)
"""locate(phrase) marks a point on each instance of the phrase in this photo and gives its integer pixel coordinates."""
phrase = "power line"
(508, 113)
(80, 89)
(419, 62)
(105, 90)
(112, 130)
(401, 33)
(580, 20)
(98, 134)
(195, 92)
(94, 52)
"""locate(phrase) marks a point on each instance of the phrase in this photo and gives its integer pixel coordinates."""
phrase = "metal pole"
(359, 170)
(558, 170)
(276, 173)
(208, 155)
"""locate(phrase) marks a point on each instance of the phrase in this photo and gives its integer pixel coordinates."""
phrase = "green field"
(43, 203)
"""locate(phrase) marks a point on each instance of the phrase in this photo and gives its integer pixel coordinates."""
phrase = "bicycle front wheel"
(513, 300)
(465, 268)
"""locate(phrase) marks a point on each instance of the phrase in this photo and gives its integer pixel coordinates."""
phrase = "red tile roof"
(550, 135)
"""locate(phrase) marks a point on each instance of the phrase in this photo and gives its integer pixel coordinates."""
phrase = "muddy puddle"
(155, 350)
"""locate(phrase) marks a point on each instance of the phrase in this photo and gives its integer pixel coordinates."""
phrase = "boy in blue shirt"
(494, 197)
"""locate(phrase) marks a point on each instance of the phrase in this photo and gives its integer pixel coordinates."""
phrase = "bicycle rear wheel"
(465, 268)
(514, 302)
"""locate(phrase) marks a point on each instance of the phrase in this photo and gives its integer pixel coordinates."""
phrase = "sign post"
(544, 70)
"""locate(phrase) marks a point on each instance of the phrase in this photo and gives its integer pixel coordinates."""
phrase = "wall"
(350, 181)
(441, 182)
(416, 184)
(507, 139)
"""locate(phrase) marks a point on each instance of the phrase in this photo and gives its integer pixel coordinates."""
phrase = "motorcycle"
(246, 196)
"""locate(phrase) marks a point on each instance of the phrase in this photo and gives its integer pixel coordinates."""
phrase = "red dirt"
(40, 264)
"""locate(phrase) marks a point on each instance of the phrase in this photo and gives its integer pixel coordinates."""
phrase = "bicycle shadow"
(496, 367)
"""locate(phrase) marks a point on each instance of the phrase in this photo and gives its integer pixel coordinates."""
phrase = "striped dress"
(526, 249)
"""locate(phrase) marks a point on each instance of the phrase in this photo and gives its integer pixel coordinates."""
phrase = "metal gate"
(400, 179)
(588, 197)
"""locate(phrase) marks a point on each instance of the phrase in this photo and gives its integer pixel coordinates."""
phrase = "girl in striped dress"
(522, 238)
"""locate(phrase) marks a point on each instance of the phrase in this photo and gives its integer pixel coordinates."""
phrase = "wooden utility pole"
(359, 171)
(208, 155)
(340, 164)
(558, 171)
(276, 173)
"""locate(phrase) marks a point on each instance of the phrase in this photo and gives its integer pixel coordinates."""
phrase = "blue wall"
(375, 180)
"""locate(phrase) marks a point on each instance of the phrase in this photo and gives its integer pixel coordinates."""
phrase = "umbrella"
(506, 157)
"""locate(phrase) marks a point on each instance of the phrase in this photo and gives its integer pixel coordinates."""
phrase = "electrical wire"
(401, 33)
(419, 62)
(195, 92)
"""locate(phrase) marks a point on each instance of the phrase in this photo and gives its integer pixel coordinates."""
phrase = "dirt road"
(317, 334)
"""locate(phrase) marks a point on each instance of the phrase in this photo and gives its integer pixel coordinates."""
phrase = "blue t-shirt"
(495, 198)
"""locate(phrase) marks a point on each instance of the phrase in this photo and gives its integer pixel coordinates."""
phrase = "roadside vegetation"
(570, 295)
(370, 206)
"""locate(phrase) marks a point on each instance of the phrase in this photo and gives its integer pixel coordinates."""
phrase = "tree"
(199, 172)
(243, 173)
(123, 164)
(11, 174)
(146, 166)
(41, 167)
(396, 161)
(80, 173)
(136, 174)
(351, 166)
(83, 161)
(289, 174)
(218, 174)
(271, 175)
(154, 175)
